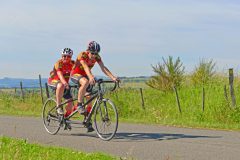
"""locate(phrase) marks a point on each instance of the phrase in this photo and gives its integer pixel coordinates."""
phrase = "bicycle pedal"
(60, 119)
(67, 127)
(84, 123)
(84, 113)
(90, 129)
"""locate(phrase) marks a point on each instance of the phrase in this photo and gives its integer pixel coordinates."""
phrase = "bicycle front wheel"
(106, 120)
(50, 117)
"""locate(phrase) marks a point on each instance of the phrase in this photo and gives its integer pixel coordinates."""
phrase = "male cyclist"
(82, 75)
(59, 78)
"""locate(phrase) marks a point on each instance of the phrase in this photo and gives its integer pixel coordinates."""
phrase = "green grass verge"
(160, 107)
(16, 149)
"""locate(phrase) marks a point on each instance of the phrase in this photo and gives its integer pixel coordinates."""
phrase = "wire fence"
(41, 89)
(26, 88)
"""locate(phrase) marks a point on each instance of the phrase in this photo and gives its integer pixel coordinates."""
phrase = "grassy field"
(160, 107)
(16, 149)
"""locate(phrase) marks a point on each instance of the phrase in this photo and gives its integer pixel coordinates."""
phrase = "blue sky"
(133, 34)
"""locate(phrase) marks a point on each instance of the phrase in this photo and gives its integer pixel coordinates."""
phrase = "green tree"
(167, 74)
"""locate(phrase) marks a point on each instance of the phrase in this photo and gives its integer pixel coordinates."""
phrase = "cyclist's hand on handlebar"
(116, 79)
(92, 80)
(66, 85)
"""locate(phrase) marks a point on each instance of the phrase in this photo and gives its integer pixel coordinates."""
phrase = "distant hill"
(15, 82)
(135, 79)
(34, 83)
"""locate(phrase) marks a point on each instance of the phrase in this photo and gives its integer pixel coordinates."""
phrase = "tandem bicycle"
(103, 112)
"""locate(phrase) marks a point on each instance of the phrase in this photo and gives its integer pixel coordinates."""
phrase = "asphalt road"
(141, 142)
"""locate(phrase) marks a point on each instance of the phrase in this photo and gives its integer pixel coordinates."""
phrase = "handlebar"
(116, 83)
(99, 82)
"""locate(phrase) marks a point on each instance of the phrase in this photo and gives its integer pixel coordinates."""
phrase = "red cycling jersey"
(65, 68)
(78, 68)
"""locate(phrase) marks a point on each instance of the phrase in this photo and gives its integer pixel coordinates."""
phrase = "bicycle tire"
(51, 120)
(106, 120)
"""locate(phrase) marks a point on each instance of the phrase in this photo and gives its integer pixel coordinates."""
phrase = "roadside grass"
(20, 149)
(159, 107)
(14, 105)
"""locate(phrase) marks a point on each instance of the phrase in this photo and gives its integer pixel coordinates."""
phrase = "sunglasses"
(65, 56)
(94, 53)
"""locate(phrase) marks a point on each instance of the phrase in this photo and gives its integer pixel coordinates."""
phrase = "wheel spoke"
(106, 120)
(50, 118)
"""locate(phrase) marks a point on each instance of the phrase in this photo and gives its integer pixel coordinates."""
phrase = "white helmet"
(67, 52)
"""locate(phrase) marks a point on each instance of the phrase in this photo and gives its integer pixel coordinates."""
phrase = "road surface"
(142, 142)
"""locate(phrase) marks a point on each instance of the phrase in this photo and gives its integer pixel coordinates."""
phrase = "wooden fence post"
(141, 92)
(226, 95)
(40, 83)
(177, 99)
(22, 94)
(47, 92)
(203, 98)
(231, 78)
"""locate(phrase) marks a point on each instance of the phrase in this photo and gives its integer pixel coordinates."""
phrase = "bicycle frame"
(97, 94)
(91, 111)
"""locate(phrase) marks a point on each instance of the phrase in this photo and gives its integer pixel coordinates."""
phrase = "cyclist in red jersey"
(59, 78)
(82, 75)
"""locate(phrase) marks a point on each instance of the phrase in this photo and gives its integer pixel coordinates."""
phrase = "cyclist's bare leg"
(59, 93)
(69, 108)
(89, 106)
(82, 90)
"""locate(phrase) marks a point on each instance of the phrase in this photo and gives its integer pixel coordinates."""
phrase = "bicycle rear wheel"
(51, 120)
(106, 120)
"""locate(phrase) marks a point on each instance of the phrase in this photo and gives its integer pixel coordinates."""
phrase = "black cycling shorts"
(53, 85)
(75, 79)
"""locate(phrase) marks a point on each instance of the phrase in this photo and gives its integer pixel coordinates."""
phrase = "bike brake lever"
(118, 84)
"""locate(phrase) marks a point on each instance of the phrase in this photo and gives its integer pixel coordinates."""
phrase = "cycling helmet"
(67, 52)
(93, 47)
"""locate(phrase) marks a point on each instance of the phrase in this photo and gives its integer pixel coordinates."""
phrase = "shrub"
(168, 74)
(204, 72)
